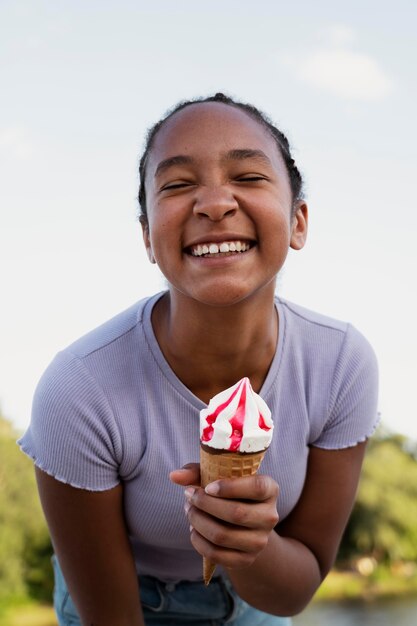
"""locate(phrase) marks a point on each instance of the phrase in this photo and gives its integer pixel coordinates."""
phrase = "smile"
(225, 247)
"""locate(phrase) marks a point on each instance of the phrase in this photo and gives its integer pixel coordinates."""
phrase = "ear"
(299, 226)
(146, 239)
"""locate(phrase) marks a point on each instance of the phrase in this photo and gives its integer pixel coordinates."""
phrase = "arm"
(90, 538)
(277, 572)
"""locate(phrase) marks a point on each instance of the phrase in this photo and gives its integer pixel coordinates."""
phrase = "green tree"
(384, 520)
(25, 548)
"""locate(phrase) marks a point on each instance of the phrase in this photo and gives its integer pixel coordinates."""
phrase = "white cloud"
(345, 73)
(339, 70)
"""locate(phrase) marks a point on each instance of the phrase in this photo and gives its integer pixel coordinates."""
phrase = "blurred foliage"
(383, 524)
(25, 548)
(384, 520)
(30, 614)
(351, 585)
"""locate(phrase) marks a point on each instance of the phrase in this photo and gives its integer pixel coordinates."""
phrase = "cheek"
(165, 239)
(167, 213)
(277, 223)
(168, 220)
(160, 223)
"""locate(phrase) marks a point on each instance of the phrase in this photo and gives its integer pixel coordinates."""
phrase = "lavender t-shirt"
(109, 409)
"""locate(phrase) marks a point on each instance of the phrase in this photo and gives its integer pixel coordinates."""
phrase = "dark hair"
(296, 181)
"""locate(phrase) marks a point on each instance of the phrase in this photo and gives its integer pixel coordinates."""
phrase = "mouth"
(222, 248)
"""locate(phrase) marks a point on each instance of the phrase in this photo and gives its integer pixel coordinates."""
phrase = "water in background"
(387, 613)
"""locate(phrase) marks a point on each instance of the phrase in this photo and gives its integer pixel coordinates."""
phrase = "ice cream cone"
(235, 431)
(215, 464)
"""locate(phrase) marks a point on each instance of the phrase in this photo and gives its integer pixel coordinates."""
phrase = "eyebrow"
(233, 155)
(247, 153)
(179, 159)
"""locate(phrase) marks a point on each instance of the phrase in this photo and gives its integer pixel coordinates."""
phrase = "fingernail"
(189, 492)
(212, 489)
(191, 528)
(187, 507)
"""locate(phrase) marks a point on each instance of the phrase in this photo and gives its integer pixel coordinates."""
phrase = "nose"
(215, 203)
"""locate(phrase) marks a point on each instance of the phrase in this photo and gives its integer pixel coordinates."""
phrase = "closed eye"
(250, 179)
(178, 185)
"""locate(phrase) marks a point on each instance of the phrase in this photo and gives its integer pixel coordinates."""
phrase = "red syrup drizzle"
(262, 423)
(210, 419)
(238, 419)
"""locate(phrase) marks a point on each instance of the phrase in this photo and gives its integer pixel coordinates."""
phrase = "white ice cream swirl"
(237, 420)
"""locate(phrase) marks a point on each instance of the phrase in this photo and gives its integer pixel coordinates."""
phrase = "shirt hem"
(351, 444)
(38, 463)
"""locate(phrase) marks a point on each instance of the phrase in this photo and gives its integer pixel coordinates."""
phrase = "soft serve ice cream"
(235, 431)
(237, 420)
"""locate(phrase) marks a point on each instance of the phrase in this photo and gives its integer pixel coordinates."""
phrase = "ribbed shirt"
(110, 409)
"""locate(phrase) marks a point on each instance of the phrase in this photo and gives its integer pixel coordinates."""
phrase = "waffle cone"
(215, 465)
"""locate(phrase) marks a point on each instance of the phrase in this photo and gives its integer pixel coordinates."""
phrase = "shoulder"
(333, 358)
(311, 320)
(110, 332)
(337, 372)
(76, 432)
(84, 372)
(327, 334)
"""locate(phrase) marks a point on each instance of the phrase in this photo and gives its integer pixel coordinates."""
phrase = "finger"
(187, 475)
(232, 559)
(249, 514)
(226, 536)
(258, 487)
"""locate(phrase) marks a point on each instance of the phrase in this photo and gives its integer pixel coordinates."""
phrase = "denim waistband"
(183, 603)
(217, 601)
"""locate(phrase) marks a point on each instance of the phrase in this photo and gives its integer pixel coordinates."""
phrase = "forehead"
(208, 129)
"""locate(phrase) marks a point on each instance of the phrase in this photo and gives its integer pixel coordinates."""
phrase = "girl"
(115, 426)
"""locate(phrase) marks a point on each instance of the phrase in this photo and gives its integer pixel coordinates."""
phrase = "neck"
(211, 348)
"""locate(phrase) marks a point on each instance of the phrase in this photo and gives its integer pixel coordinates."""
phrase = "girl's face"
(216, 184)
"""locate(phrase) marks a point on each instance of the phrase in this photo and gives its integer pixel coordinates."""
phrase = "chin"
(228, 294)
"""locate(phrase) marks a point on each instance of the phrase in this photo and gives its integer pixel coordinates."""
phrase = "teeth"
(214, 248)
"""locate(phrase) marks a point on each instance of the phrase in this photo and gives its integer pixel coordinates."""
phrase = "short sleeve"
(73, 435)
(352, 412)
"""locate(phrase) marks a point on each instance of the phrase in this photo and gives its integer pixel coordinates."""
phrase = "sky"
(82, 81)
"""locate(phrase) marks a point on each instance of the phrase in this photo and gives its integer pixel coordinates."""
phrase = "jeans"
(182, 604)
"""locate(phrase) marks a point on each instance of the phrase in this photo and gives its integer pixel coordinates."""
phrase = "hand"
(187, 475)
(231, 519)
